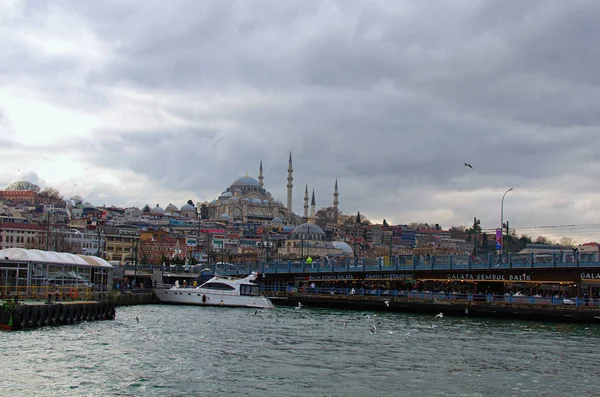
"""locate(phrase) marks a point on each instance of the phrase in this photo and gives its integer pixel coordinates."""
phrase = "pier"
(33, 314)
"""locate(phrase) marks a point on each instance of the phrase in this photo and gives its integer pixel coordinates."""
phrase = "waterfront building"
(21, 196)
(122, 242)
(22, 235)
(157, 246)
(32, 271)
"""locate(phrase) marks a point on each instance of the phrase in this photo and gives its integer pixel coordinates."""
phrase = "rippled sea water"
(193, 351)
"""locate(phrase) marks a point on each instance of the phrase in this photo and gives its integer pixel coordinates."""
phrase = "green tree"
(146, 209)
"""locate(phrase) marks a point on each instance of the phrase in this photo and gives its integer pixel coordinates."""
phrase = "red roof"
(18, 193)
(21, 226)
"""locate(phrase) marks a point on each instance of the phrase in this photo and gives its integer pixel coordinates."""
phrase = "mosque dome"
(245, 181)
(233, 200)
(224, 217)
(277, 220)
(213, 202)
(187, 208)
(308, 231)
(157, 210)
(266, 202)
(278, 203)
(345, 247)
(256, 201)
(171, 208)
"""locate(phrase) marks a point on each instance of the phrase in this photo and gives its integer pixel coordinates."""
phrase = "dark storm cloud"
(389, 97)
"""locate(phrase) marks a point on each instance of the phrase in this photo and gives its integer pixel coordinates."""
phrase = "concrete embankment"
(455, 308)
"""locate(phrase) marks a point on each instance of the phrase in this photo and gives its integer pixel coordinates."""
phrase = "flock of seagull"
(373, 329)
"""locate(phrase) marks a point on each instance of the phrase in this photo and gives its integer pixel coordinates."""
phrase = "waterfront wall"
(506, 310)
(32, 314)
(128, 298)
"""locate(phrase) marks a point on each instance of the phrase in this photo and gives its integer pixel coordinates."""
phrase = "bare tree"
(22, 185)
(51, 196)
(543, 240)
(328, 216)
(566, 241)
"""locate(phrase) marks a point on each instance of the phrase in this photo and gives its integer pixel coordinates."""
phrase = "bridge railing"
(398, 263)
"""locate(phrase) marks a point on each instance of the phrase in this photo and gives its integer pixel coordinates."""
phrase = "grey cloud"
(391, 98)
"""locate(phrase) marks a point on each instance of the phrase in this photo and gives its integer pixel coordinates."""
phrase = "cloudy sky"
(132, 102)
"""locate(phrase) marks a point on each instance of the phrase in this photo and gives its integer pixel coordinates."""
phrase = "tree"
(327, 216)
(203, 211)
(77, 199)
(385, 224)
(543, 240)
(146, 209)
(22, 185)
(566, 241)
(51, 195)
(484, 241)
(351, 220)
(190, 202)
(458, 232)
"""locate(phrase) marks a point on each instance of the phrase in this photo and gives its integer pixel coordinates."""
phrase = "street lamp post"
(502, 222)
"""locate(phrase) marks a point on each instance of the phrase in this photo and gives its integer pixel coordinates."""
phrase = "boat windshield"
(251, 290)
(217, 286)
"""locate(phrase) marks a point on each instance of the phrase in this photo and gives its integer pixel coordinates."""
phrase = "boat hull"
(187, 296)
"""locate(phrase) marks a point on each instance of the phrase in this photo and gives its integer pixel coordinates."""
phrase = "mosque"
(247, 201)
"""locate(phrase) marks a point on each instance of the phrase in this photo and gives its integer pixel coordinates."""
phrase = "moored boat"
(218, 291)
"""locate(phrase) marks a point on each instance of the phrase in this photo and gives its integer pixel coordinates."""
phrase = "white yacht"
(218, 291)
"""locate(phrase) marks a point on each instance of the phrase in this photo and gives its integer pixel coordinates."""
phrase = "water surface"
(193, 351)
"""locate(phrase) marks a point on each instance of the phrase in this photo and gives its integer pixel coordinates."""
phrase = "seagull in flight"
(468, 165)
(387, 303)
(299, 306)
(373, 329)
(439, 315)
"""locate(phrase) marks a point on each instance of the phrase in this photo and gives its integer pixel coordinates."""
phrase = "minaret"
(306, 202)
(260, 175)
(290, 178)
(335, 200)
(312, 206)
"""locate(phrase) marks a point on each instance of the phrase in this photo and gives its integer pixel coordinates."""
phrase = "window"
(218, 286)
(252, 290)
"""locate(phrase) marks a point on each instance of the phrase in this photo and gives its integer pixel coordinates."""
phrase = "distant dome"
(277, 220)
(187, 208)
(233, 200)
(245, 181)
(224, 217)
(226, 194)
(256, 201)
(266, 202)
(341, 245)
(213, 202)
(308, 231)
(171, 208)
(157, 210)
(278, 203)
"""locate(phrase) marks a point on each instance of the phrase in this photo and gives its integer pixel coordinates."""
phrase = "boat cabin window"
(218, 286)
(252, 290)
